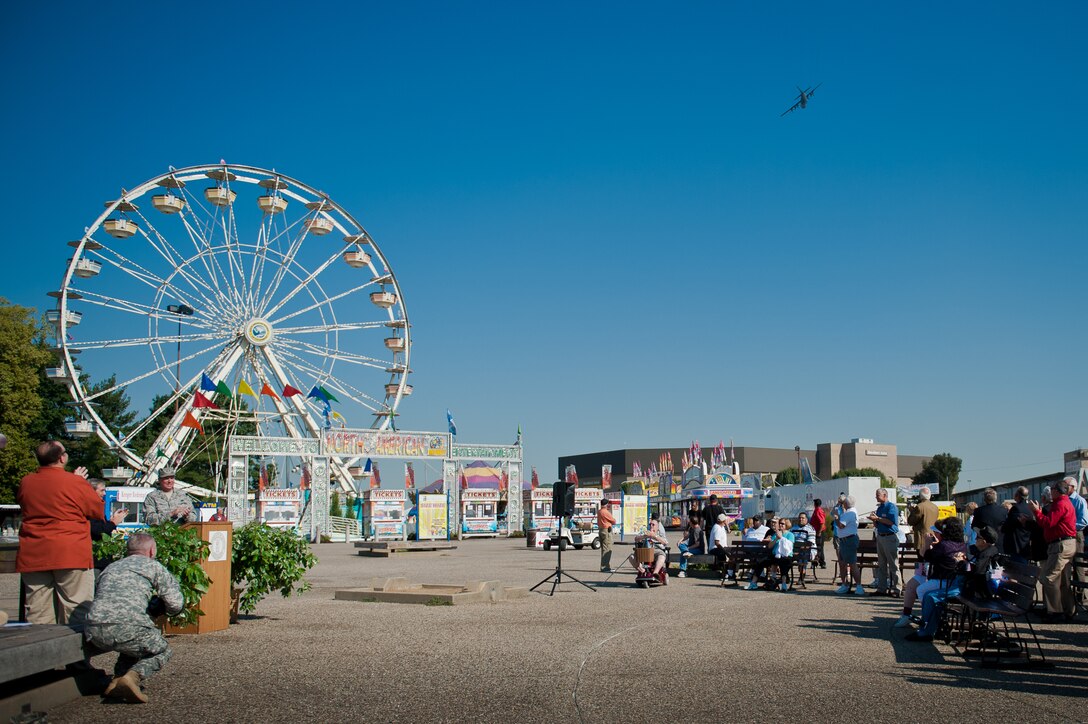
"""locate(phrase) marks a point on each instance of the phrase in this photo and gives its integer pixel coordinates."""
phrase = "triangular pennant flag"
(159, 453)
(222, 389)
(316, 394)
(337, 416)
(329, 397)
(192, 422)
(375, 476)
(200, 401)
(245, 389)
(289, 391)
(206, 383)
(266, 390)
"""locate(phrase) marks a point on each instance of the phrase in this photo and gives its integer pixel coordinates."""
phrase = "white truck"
(789, 500)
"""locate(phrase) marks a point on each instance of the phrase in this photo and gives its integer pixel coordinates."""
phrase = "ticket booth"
(479, 513)
(587, 501)
(281, 507)
(383, 514)
(539, 521)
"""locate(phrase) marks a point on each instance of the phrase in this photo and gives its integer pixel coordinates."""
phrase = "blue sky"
(603, 229)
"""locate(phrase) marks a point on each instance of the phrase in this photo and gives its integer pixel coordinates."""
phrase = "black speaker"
(562, 499)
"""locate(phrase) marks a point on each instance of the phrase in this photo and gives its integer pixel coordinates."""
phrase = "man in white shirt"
(846, 532)
(758, 532)
(719, 540)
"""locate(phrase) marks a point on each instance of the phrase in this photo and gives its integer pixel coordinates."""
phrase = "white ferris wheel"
(237, 276)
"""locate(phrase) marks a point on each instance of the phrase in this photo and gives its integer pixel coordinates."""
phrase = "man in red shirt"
(819, 521)
(1059, 525)
(55, 538)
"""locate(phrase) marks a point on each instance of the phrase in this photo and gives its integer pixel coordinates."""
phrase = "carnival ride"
(218, 295)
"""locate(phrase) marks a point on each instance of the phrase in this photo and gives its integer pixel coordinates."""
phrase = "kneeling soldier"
(119, 621)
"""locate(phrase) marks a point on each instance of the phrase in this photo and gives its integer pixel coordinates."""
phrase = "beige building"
(831, 457)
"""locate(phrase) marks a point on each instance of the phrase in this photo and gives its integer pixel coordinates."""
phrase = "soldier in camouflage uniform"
(168, 504)
(118, 619)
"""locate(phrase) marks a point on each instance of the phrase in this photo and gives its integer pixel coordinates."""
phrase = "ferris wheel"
(184, 287)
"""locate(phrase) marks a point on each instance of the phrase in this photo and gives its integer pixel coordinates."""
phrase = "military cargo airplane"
(803, 98)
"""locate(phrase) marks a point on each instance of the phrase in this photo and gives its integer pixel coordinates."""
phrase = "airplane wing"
(792, 108)
(813, 91)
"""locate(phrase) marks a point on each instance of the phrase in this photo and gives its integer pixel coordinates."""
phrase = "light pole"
(181, 310)
(797, 449)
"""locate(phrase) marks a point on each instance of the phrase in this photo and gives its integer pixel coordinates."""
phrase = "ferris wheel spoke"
(303, 284)
(173, 257)
(146, 277)
(331, 380)
(147, 311)
(285, 264)
(323, 329)
(300, 346)
(166, 367)
(201, 240)
(325, 301)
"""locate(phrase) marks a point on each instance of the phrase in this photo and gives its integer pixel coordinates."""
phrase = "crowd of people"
(955, 556)
(62, 512)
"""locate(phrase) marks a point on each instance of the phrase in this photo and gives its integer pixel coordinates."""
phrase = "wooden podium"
(216, 603)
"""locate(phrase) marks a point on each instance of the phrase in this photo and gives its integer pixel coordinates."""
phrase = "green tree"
(942, 472)
(789, 476)
(885, 481)
(21, 355)
(334, 505)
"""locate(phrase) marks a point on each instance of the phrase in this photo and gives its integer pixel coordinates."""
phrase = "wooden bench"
(968, 618)
(742, 557)
(33, 674)
(386, 548)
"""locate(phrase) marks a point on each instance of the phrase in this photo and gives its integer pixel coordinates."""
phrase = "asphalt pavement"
(689, 651)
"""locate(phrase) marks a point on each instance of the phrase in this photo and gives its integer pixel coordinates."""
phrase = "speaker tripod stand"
(557, 577)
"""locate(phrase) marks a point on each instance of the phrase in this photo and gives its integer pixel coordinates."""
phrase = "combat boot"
(127, 687)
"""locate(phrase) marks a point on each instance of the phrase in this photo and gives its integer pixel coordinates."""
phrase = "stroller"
(644, 563)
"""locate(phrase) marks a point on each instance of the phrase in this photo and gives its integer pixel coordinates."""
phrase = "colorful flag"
(329, 397)
(159, 453)
(534, 480)
(266, 390)
(464, 479)
(289, 391)
(338, 416)
(206, 383)
(409, 477)
(262, 478)
(316, 394)
(192, 422)
(375, 477)
(200, 401)
(606, 477)
(518, 441)
(504, 481)
(304, 483)
(222, 389)
(245, 389)
(571, 475)
(450, 422)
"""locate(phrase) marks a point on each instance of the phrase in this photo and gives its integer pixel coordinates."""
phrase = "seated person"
(780, 555)
(942, 558)
(692, 545)
(655, 535)
(719, 544)
(803, 533)
(973, 580)
(756, 531)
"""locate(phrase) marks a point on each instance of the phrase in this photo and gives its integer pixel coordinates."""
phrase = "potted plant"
(180, 551)
(267, 559)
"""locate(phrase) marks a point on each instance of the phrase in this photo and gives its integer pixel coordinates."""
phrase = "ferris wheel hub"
(258, 332)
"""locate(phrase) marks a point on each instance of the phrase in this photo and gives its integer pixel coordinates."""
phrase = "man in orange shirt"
(55, 538)
(605, 521)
